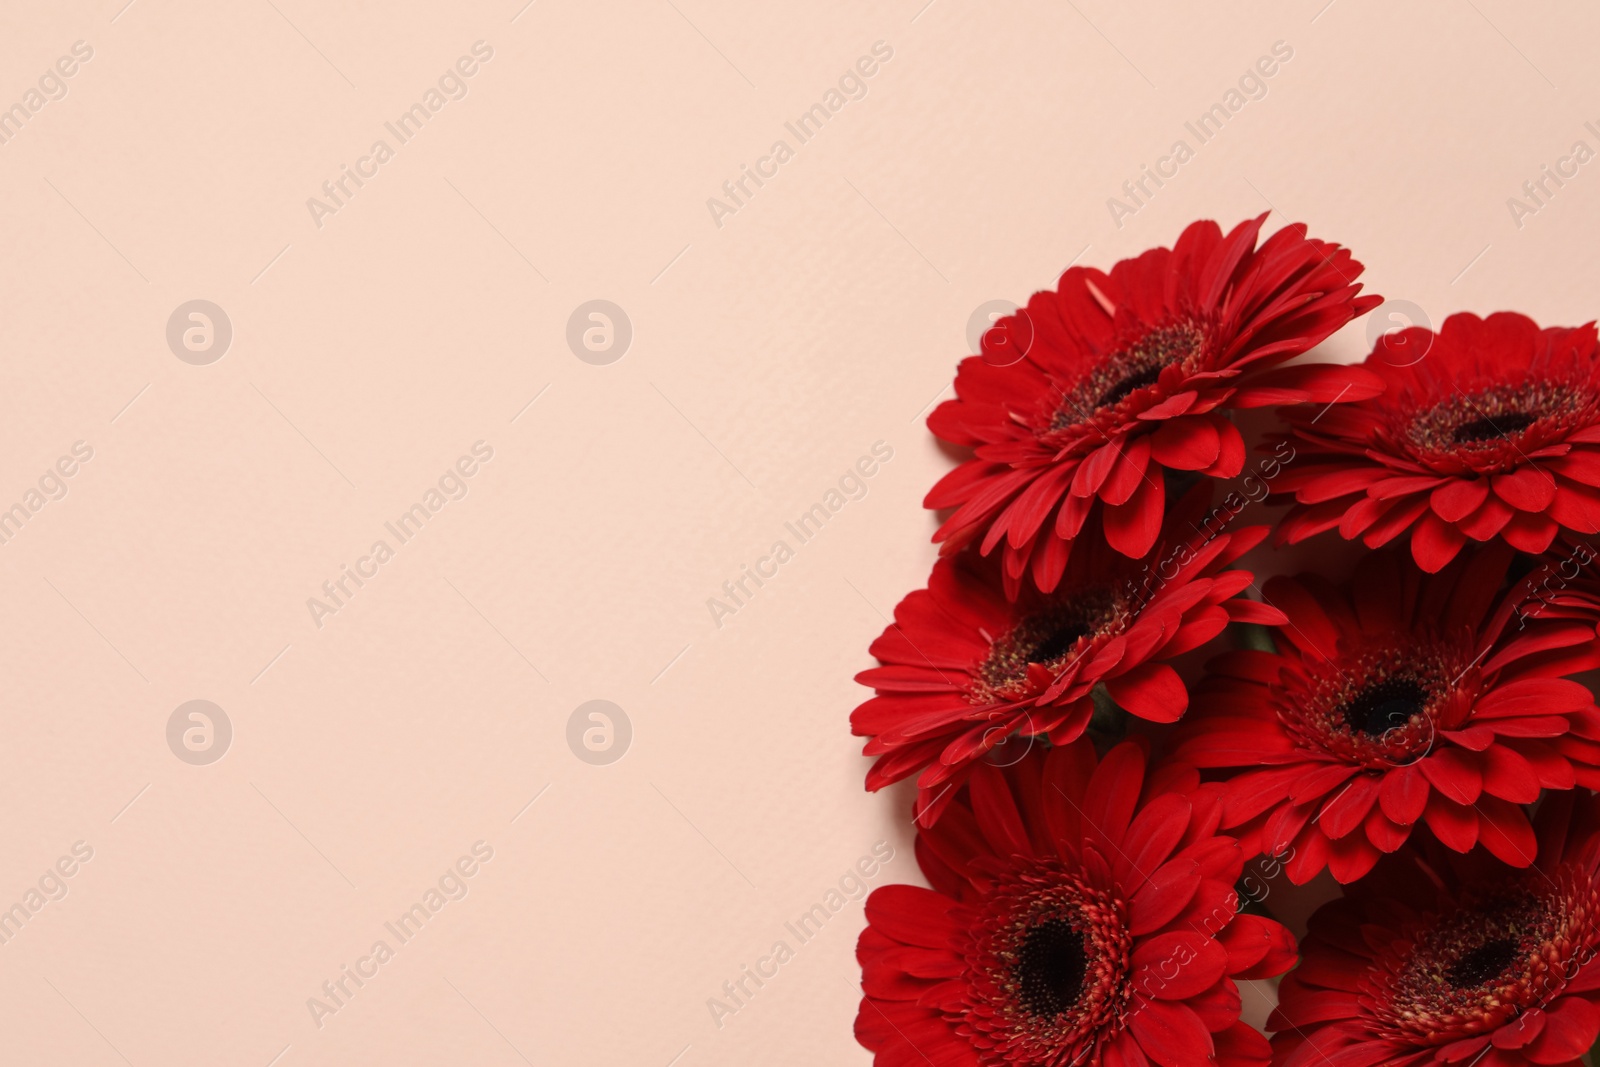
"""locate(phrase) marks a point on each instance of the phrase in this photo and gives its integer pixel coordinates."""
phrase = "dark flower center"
(1046, 636)
(1048, 964)
(1487, 429)
(1488, 961)
(1050, 967)
(1384, 706)
(1135, 379)
(1490, 429)
(1059, 640)
(1502, 948)
(1379, 705)
(1127, 370)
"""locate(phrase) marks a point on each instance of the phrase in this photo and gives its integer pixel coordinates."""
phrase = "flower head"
(1399, 700)
(965, 669)
(1081, 913)
(1439, 959)
(1079, 402)
(1488, 430)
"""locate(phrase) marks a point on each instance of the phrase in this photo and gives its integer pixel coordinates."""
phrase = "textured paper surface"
(377, 338)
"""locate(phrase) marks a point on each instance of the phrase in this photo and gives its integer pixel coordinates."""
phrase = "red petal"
(911, 915)
(1435, 543)
(1338, 483)
(1310, 856)
(1152, 691)
(1394, 521)
(1112, 795)
(1171, 1034)
(1230, 453)
(1465, 1050)
(1456, 825)
(1581, 465)
(1458, 498)
(1488, 520)
(1152, 836)
(1241, 1046)
(1241, 610)
(1281, 949)
(1385, 834)
(1246, 940)
(1129, 472)
(1532, 696)
(1530, 533)
(1299, 1006)
(1161, 898)
(1349, 806)
(1453, 773)
(1351, 857)
(1171, 407)
(1177, 965)
(1570, 1027)
(1521, 1030)
(1323, 383)
(1132, 528)
(1312, 630)
(1526, 488)
(996, 811)
(1404, 795)
(1188, 444)
(1508, 776)
(1096, 468)
(1504, 830)
(1575, 507)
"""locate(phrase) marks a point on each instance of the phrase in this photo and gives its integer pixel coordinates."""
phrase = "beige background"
(768, 354)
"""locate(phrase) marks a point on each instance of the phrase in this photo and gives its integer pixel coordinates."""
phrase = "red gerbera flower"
(1562, 584)
(965, 669)
(1079, 915)
(1443, 960)
(1401, 699)
(1096, 387)
(1491, 428)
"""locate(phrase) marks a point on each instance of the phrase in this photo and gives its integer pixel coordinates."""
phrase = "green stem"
(1109, 724)
(1256, 636)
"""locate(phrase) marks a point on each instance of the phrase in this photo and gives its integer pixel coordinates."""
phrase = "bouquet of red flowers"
(1099, 826)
